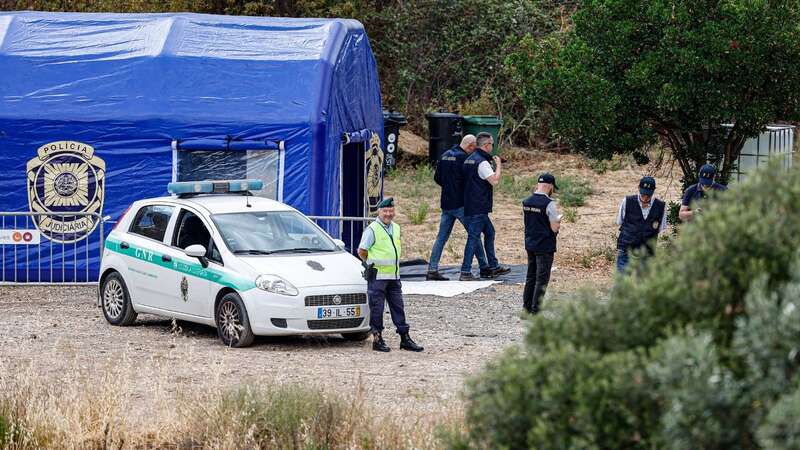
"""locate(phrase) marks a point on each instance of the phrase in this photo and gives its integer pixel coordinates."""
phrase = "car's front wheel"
(233, 326)
(116, 301)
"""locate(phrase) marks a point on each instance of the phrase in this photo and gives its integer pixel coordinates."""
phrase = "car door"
(143, 248)
(191, 284)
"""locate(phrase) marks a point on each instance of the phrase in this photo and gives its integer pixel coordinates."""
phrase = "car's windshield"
(265, 233)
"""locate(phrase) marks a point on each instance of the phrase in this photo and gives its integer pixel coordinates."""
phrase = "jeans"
(536, 280)
(622, 259)
(476, 225)
(382, 292)
(446, 223)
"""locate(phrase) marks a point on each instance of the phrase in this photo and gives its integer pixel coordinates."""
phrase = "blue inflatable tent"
(99, 110)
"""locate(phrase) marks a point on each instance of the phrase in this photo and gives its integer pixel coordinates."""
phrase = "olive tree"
(631, 72)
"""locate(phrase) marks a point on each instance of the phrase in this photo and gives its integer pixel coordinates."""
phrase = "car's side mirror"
(339, 243)
(199, 252)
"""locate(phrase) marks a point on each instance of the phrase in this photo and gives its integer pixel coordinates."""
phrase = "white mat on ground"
(444, 288)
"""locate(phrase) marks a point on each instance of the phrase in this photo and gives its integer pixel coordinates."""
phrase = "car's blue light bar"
(214, 187)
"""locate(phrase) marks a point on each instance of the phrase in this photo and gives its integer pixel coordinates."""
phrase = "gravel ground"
(48, 331)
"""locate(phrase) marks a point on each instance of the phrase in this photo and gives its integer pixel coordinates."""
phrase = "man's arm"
(685, 214)
(436, 175)
(554, 216)
(492, 176)
(621, 212)
(367, 239)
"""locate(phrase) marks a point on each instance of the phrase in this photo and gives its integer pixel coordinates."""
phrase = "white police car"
(216, 255)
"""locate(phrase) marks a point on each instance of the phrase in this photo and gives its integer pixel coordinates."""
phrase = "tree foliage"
(631, 72)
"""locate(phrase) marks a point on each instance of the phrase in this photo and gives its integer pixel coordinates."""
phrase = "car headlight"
(276, 285)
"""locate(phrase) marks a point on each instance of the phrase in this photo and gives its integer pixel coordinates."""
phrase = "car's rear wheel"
(116, 302)
(233, 325)
(360, 336)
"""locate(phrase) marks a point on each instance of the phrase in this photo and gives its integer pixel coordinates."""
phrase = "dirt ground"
(51, 331)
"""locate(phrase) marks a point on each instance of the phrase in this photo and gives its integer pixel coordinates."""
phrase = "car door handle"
(166, 258)
(124, 245)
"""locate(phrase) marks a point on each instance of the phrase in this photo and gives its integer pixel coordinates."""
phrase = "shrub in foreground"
(691, 351)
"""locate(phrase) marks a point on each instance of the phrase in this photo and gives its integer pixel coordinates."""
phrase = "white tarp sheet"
(444, 288)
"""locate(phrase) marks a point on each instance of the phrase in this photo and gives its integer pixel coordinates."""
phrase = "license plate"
(339, 312)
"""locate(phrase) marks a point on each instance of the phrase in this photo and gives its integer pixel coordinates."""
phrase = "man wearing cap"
(697, 191)
(479, 178)
(380, 250)
(449, 175)
(640, 218)
(542, 222)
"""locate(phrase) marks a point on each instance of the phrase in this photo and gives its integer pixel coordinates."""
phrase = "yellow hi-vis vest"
(385, 252)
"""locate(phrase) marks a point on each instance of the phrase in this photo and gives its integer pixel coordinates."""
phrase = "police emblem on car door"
(184, 289)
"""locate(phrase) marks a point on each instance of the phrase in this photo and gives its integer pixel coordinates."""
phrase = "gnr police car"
(216, 255)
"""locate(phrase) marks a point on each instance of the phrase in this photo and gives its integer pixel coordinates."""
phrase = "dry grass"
(94, 409)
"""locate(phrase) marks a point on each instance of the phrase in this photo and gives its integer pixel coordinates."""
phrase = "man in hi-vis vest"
(380, 249)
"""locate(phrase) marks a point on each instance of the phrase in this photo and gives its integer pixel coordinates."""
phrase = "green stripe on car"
(183, 266)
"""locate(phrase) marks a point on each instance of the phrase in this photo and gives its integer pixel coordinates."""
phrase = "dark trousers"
(386, 291)
(539, 265)
(476, 225)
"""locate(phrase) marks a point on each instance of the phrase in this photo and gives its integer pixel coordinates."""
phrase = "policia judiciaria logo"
(374, 173)
(66, 177)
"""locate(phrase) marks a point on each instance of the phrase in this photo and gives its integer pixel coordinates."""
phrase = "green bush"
(419, 215)
(572, 190)
(781, 430)
(690, 351)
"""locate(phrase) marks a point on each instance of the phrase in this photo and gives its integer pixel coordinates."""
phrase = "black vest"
(636, 230)
(477, 192)
(450, 175)
(539, 237)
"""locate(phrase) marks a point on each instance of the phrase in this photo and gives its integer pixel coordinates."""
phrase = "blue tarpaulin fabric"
(91, 104)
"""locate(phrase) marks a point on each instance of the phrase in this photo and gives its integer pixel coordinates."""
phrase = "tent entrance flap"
(217, 159)
(353, 190)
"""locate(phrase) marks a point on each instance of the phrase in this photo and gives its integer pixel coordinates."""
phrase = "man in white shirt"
(641, 218)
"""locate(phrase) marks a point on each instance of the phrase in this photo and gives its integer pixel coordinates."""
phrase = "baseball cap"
(548, 178)
(647, 185)
(707, 173)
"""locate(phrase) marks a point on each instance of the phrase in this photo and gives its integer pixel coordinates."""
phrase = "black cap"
(548, 178)
(647, 185)
(386, 203)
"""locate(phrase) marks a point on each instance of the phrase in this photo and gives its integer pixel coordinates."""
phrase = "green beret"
(386, 203)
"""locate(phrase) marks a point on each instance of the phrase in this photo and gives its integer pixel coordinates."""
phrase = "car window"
(190, 230)
(262, 232)
(151, 221)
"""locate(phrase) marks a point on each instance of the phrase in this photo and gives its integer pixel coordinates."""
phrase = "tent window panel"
(263, 165)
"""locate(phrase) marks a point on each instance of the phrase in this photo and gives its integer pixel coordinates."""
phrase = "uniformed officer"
(697, 191)
(640, 218)
(542, 222)
(449, 175)
(479, 177)
(380, 249)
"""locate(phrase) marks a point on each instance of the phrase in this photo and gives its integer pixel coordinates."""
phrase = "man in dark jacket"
(479, 177)
(697, 191)
(449, 175)
(641, 217)
(542, 222)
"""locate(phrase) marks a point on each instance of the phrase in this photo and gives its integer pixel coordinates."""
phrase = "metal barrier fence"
(348, 229)
(43, 254)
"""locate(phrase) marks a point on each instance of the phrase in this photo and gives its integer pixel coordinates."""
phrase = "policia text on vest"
(381, 249)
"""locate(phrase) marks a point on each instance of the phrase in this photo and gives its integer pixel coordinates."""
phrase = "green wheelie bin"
(489, 124)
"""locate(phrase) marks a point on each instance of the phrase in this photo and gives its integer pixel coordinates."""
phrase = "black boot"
(435, 276)
(378, 344)
(407, 344)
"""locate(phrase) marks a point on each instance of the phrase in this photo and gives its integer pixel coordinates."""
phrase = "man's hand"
(497, 161)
